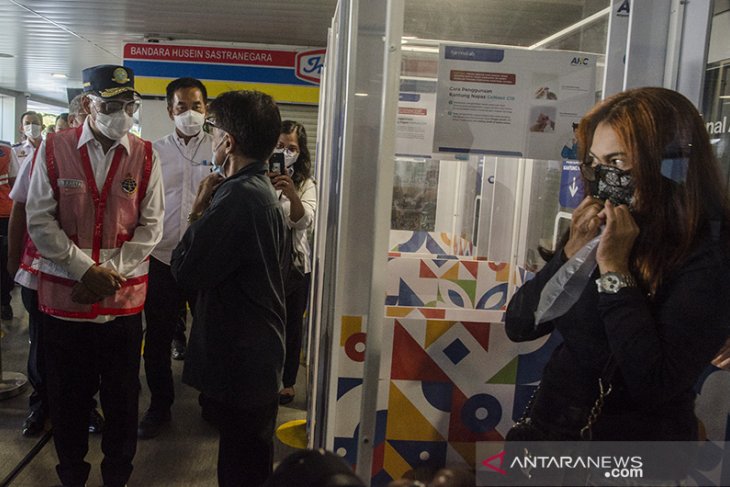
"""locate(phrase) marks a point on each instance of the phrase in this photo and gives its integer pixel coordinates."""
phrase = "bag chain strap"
(586, 433)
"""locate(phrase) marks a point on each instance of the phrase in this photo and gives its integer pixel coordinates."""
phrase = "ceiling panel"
(65, 36)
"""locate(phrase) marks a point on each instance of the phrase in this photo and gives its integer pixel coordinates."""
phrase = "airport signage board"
(289, 74)
(510, 101)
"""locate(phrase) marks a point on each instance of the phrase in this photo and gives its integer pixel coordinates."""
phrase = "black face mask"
(613, 184)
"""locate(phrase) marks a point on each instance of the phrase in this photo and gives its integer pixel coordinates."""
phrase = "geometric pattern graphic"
(450, 387)
(451, 383)
(437, 243)
(446, 283)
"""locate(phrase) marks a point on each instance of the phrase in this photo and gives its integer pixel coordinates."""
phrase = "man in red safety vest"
(95, 209)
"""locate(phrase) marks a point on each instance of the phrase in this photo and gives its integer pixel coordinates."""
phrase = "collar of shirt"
(195, 139)
(87, 136)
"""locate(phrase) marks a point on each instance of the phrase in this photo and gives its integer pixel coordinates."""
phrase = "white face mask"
(114, 126)
(190, 122)
(32, 131)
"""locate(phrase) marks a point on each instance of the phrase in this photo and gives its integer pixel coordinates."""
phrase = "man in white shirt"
(31, 128)
(95, 209)
(184, 162)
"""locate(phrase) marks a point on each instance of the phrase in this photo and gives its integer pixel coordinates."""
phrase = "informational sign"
(416, 115)
(289, 74)
(571, 185)
(515, 102)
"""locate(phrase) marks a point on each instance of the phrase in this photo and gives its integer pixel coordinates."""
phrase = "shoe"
(96, 422)
(286, 395)
(178, 350)
(34, 423)
(152, 424)
(6, 312)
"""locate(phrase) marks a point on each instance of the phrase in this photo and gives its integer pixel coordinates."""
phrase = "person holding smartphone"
(290, 170)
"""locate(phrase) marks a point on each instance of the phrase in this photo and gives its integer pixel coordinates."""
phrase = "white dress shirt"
(300, 240)
(183, 166)
(24, 151)
(51, 240)
(19, 194)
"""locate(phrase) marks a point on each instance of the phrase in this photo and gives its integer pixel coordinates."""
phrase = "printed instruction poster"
(416, 115)
(512, 102)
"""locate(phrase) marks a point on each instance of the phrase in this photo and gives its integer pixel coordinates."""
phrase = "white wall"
(153, 119)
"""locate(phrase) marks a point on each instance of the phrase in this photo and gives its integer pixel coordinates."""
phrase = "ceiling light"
(572, 28)
(361, 94)
(59, 75)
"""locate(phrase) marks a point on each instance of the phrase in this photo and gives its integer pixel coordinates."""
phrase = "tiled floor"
(183, 455)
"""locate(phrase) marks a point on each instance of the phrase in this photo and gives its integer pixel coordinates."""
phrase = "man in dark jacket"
(232, 254)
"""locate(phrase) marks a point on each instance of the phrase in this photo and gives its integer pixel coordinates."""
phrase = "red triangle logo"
(424, 271)
(488, 463)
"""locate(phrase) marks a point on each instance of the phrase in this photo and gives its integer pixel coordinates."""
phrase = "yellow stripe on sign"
(150, 86)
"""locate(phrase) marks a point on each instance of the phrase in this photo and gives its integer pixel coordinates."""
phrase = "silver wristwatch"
(611, 282)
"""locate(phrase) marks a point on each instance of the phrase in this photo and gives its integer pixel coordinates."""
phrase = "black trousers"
(296, 304)
(246, 447)
(38, 400)
(162, 314)
(6, 280)
(82, 358)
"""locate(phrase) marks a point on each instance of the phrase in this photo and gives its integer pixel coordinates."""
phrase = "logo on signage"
(580, 61)
(309, 65)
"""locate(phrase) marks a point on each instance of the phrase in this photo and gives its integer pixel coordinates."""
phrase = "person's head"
(31, 126)
(657, 136)
(62, 122)
(50, 129)
(110, 99)
(187, 101)
(293, 142)
(76, 113)
(245, 124)
(313, 468)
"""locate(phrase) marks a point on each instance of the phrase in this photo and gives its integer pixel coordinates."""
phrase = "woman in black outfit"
(657, 307)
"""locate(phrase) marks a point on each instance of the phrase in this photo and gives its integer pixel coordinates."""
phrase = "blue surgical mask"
(218, 168)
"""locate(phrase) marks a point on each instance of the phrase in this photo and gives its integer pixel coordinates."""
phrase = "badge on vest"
(129, 184)
(70, 183)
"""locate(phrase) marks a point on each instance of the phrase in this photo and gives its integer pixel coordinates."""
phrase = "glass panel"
(474, 201)
(716, 94)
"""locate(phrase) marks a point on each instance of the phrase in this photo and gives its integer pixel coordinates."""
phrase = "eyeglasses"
(108, 107)
(211, 123)
(290, 151)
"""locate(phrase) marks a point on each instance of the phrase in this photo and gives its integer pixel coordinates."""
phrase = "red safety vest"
(6, 204)
(97, 222)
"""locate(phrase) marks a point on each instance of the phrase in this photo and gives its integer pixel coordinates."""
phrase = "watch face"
(611, 283)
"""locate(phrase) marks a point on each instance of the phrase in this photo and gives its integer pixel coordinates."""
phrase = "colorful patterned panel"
(452, 385)
(447, 284)
(420, 242)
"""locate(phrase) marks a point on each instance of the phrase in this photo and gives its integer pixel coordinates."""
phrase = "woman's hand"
(584, 225)
(205, 192)
(617, 240)
(285, 183)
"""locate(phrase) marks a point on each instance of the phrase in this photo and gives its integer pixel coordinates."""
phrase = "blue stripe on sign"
(222, 72)
(463, 53)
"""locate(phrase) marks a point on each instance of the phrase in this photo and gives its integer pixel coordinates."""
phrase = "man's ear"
(231, 143)
(169, 112)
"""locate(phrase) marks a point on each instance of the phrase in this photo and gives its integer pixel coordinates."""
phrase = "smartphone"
(276, 162)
